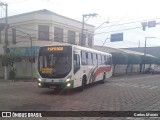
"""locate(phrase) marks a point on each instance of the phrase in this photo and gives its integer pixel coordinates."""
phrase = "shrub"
(12, 73)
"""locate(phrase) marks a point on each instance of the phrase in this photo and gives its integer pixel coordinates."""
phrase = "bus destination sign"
(55, 48)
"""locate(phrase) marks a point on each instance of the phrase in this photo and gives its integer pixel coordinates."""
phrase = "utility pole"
(6, 38)
(83, 17)
(145, 50)
(31, 56)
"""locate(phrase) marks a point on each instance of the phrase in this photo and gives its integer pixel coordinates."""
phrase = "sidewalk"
(113, 77)
(129, 75)
(18, 80)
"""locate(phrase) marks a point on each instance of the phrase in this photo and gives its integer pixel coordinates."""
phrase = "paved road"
(131, 93)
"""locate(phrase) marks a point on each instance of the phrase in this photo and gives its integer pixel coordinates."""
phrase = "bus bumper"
(56, 85)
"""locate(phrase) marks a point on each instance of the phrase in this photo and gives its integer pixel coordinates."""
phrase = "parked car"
(155, 69)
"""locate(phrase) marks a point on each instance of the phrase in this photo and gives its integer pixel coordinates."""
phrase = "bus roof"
(90, 50)
(78, 47)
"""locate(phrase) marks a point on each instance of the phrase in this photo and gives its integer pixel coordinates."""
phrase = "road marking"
(134, 118)
(154, 87)
(142, 85)
(146, 86)
(130, 79)
(111, 84)
(134, 85)
(119, 84)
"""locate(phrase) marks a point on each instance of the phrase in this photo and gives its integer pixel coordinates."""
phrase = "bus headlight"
(39, 84)
(69, 84)
(39, 79)
(68, 79)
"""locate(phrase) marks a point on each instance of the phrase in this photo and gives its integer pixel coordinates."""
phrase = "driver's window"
(76, 63)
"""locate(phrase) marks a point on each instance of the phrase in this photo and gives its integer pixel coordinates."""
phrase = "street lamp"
(106, 22)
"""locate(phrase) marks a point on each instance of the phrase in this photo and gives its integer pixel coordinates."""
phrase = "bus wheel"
(81, 88)
(104, 78)
(83, 83)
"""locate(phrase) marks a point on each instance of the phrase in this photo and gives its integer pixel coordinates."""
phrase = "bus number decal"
(47, 70)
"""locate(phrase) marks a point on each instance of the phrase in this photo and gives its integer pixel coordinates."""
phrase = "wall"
(1, 69)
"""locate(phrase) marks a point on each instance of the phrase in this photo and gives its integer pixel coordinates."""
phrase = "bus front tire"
(81, 88)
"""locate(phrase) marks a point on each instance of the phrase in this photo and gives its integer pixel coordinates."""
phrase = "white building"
(45, 28)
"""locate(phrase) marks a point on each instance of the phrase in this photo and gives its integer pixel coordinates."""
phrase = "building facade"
(40, 28)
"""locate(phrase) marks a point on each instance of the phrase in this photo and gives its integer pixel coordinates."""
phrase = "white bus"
(71, 66)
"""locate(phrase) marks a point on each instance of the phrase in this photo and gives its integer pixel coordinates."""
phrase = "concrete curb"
(19, 80)
(113, 77)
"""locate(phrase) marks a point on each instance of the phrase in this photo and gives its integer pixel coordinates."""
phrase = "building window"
(43, 32)
(71, 37)
(90, 39)
(82, 42)
(58, 34)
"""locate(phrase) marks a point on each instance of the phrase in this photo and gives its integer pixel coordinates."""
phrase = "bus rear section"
(54, 67)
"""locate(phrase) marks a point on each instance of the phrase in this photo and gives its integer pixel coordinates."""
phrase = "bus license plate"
(53, 87)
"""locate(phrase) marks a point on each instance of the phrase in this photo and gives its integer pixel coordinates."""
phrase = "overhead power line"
(117, 30)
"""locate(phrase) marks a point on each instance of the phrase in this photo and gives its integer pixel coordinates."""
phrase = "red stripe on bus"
(102, 70)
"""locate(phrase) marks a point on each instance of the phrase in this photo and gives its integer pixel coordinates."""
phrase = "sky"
(114, 16)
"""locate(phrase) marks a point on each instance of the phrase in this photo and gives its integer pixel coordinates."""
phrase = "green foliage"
(119, 58)
(12, 73)
(10, 59)
(134, 59)
(147, 60)
(156, 61)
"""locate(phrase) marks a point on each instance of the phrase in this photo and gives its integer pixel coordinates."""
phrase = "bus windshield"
(54, 63)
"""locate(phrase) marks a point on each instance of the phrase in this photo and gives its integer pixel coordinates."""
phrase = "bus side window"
(89, 58)
(106, 60)
(110, 60)
(76, 63)
(84, 58)
(94, 59)
(103, 59)
(99, 59)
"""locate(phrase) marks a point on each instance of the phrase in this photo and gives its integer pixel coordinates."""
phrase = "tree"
(10, 59)
(132, 59)
(146, 60)
(118, 58)
(156, 61)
